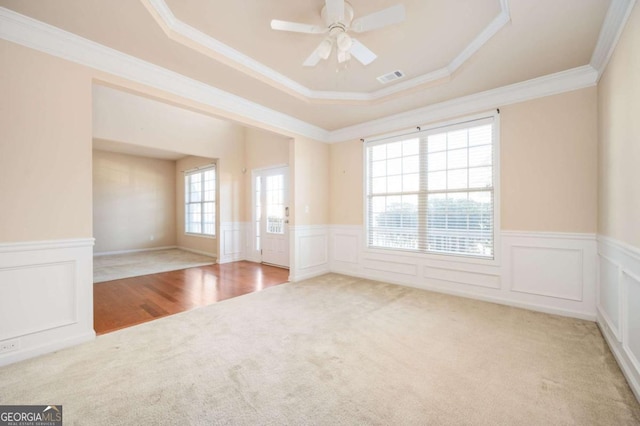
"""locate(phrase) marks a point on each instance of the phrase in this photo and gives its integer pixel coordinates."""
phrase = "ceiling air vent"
(394, 75)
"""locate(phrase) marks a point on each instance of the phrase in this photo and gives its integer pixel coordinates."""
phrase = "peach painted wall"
(345, 181)
(45, 148)
(310, 182)
(46, 154)
(563, 147)
(262, 150)
(134, 201)
(548, 167)
(619, 139)
(145, 122)
(549, 163)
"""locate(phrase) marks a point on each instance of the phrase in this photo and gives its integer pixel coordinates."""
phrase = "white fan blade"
(321, 52)
(392, 15)
(362, 53)
(335, 11)
(296, 27)
(312, 60)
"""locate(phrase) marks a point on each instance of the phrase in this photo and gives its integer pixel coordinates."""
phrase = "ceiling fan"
(338, 17)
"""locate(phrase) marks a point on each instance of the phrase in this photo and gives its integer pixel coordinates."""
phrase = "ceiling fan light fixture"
(338, 18)
(324, 50)
(344, 42)
(343, 56)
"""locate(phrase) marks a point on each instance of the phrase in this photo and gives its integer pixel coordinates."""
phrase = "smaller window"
(200, 201)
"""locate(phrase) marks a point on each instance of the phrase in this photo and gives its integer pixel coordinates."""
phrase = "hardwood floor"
(122, 303)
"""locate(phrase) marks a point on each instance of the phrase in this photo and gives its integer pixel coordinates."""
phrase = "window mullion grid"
(468, 176)
(369, 195)
(190, 218)
(452, 209)
(188, 203)
(423, 196)
(202, 203)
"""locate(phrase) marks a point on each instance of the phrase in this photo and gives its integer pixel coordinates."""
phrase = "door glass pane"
(258, 209)
(275, 207)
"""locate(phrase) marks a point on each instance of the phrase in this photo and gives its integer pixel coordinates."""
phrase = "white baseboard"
(312, 273)
(547, 272)
(618, 304)
(254, 257)
(202, 252)
(486, 298)
(46, 296)
(110, 253)
(630, 372)
(46, 348)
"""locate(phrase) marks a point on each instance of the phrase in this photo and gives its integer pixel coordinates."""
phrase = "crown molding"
(188, 36)
(46, 245)
(564, 81)
(614, 23)
(54, 41)
(481, 39)
(46, 38)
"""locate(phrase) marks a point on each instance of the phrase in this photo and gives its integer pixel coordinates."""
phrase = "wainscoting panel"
(387, 266)
(233, 242)
(609, 301)
(619, 304)
(42, 295)
(465, 277)
(631, 309)
(345, 248)
(310, 251)
(549, 272)
(46, 297)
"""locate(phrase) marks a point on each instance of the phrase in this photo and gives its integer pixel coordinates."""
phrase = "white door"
(271, 215)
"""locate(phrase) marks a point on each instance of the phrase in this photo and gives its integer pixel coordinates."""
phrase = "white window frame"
(435, 256)
(187, 174)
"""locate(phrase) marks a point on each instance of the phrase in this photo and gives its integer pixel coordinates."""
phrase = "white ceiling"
(416, 47)
(229, 46)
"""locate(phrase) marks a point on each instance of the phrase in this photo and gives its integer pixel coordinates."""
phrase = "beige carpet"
(118, 266)
(336, 350)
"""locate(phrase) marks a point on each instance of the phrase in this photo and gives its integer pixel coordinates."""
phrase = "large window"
(200, 201)
(433, 191)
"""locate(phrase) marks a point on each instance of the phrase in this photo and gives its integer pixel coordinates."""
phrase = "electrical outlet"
(9, 345)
